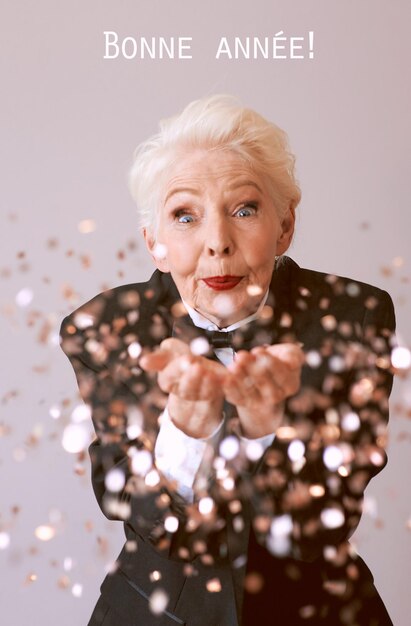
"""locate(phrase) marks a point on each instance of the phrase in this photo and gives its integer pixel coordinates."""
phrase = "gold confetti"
(398, 261)
(63, 582)
(86, 226)
(45, 533)
(213, 585)
(253, 582)
(31, 578)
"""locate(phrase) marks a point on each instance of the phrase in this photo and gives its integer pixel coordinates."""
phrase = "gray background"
(70, 121)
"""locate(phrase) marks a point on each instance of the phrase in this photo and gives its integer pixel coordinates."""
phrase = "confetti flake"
(77, 590)
(24, 297)
(401, 358)
(213, 585)
(158, 602)
(4, 540)
(75, 438)
(206, 505)
(86, 226)
(45, 533)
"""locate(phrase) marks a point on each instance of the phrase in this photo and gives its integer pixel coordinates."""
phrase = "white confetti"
(313, 359)
(152, 478)
(55, 411)
(254, 290)
(353, 290)
(254, 450)
(133, 431)
(45, 533)
(333, 457)
(171, 524)
(83, 320)
(296, 450)
(134, 350)
(337, 364)
(141, 462)
(370, 506)
(160, 251)
(24, 297)
(332, 518)
(228, 483)
(224, 305)
(229, 448)
(75, 439)
(401, 358)
(206, 505)
(67, 564)
(377, 458)
(281, 525)
(158, 602)
(199, 346)
(81, 413)
(4, 540)
(115, 480)
(350, 422)
(77, 590)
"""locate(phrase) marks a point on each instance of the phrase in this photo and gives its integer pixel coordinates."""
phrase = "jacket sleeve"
(125, 406)
(308, 495)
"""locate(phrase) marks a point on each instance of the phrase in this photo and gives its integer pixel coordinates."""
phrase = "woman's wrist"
(197, 419)
(254, 424)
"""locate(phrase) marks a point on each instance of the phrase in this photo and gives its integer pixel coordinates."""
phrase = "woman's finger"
(170, 376)
(169, 350)
(289, 353)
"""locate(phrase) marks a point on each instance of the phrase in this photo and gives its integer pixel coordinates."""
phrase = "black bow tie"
(218, 339)
(243, 338)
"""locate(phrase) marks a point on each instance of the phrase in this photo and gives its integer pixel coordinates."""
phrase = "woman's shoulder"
(323, 283)
(333, 295)
(123, 298)
(121, 309)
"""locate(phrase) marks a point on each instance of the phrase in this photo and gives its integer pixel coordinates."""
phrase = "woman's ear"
(157, 250)
(287, 232)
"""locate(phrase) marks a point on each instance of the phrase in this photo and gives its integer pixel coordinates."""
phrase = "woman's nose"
(218, 238)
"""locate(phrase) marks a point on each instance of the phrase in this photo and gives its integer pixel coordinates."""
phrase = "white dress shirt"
(179, 456)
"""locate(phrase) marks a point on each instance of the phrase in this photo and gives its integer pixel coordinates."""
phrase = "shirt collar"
(202, 322)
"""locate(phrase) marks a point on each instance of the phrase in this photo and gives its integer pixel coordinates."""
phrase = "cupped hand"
(194, 385)
(258, 383)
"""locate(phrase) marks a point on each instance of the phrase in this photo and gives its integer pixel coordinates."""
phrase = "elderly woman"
(239, 401)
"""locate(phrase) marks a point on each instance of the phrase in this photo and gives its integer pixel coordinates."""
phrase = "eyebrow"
(181, 190)
(235, 185)
(244, 183)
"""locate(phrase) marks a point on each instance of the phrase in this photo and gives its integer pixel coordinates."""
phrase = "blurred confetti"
(86, 226)
(158, 601)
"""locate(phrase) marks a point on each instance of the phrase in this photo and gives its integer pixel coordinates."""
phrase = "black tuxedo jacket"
(312, 575)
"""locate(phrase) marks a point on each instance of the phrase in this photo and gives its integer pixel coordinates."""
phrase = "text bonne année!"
(278, 46)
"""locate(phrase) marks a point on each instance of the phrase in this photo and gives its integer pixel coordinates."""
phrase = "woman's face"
(218, 234)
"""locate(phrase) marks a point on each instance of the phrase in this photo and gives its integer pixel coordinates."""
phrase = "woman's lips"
(222, 283)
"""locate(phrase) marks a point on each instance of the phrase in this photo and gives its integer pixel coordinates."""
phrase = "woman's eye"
(183, 217)
(246, 210)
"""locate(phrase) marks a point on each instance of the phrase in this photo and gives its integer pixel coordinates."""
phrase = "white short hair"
(215, 122)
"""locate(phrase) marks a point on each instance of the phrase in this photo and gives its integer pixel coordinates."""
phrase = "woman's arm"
(314, 488)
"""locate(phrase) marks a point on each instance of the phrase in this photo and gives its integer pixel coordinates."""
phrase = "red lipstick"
(222, 283)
